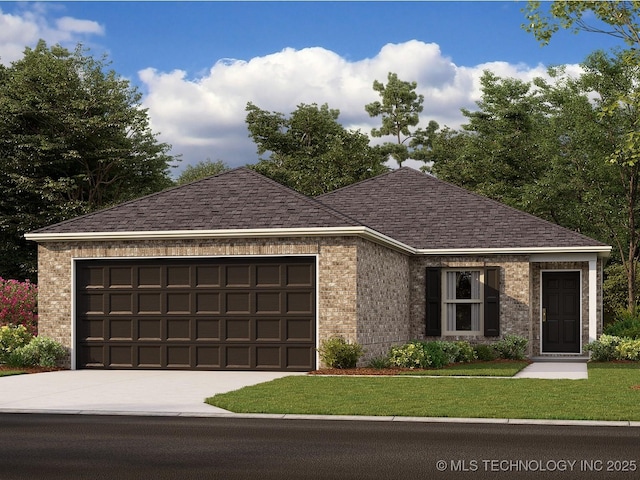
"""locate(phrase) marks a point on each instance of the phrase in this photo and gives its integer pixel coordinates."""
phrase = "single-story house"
(238, 272)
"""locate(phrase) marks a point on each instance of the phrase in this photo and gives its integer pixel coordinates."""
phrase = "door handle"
(544, 314)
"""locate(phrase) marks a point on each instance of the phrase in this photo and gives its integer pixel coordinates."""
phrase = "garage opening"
(196, 314)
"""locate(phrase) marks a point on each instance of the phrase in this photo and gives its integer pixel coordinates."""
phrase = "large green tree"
(399, 108)
(310, 151)
(73, 138)
(200, 170)
(617, 83)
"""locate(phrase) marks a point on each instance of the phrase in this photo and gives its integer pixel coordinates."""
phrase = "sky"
(199, 63)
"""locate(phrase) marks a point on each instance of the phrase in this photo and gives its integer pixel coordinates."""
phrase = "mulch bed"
(391, 371)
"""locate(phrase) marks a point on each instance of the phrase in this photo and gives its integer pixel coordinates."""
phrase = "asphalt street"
(37, 446)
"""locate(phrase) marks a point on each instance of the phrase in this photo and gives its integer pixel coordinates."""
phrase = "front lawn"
(612, 392)
(6, 373)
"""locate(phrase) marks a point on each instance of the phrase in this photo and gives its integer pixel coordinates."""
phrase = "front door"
(561, 312)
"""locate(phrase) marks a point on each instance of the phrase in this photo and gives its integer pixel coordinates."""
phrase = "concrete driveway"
(123, 391)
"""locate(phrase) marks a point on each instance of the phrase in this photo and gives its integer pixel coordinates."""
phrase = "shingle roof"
(426, 213)
(236, 199)
(411, 207)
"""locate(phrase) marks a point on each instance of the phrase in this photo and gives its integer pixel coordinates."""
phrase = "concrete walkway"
(555, 370)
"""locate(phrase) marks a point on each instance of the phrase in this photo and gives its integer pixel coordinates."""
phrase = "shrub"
(336, 352)
(628, 349)
(19, 304)
(626, 325)
(12, 338)
(457, 352)
(511, 347)
(485, 353)
(603, 349)
(418, 354)
(379, 362)
(40, 351)
(409, 355)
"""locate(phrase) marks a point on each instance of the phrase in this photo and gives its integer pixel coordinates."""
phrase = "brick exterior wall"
(383, 298)
(366, 292)
(515, 293)
(337, 260)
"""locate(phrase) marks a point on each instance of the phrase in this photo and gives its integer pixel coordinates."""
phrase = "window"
(462, 301)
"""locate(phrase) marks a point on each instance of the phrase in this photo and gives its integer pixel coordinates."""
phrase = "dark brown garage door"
(198, 314)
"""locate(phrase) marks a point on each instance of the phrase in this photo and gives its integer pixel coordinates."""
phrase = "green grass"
(482, 369)
(6, 373)
(606, 395)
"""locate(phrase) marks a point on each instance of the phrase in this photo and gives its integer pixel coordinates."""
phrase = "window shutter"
(434, 318)
(492, 302)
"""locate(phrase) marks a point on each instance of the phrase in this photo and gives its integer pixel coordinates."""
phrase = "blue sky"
(198, 63)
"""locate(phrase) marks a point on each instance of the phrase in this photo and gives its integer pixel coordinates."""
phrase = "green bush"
(336, 352)
(511, 347)
(625, 325)
(418, 354)
(12, 338)
(40, 351)
(486, 353)
(603, 349)
(629, 349)
(458, 352)
(379, 362)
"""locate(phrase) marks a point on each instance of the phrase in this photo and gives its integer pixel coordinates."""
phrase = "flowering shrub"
(629, 349)
(421, 355)
(459, 351)
(12, 338)
(604, 349)
(19, 304)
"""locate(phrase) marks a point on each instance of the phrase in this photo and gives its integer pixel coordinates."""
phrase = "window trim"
(445, 302)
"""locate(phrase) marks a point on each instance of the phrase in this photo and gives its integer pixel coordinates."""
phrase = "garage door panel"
(207, 302)
(238, 329)
(299, 329)
(121, 303)
(299, 302)
(207, 329)
(238, 302)
(207, 276)
(150, 329)
(207, 314)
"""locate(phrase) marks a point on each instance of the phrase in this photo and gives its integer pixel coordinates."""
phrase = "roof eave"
(359, 231)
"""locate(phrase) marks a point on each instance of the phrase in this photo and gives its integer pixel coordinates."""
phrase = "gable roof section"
(238, 199)
(428, 214)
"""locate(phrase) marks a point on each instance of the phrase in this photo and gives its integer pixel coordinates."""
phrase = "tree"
(73, 138)
(619, 16)
(616, 80)
(310, 151)
(400, 109)
(202, 169)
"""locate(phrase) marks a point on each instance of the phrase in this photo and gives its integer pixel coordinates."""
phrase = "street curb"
(363, 418)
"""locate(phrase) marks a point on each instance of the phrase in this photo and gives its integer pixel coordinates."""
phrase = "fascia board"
(359, 231)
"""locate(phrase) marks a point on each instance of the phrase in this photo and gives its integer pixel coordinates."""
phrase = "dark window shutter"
(434, 320)
(492, 302)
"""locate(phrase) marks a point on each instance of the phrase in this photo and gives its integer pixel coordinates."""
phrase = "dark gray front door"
(561, 312)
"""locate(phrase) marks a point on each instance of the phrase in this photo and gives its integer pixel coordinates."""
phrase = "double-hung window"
(462, 301)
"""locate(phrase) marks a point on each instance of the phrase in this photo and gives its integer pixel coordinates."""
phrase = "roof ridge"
(376, 177)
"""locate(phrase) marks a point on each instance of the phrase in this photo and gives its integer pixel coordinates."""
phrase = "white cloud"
(204, 117)
(32, 23)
